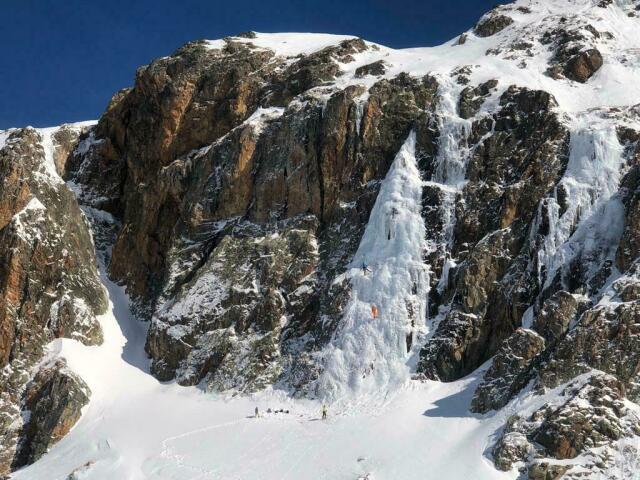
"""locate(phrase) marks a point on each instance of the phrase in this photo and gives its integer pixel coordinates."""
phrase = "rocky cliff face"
(234, 231)
(249, 174)
(50, 289)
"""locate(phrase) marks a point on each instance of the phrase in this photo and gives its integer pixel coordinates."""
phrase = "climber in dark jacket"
(365, 268)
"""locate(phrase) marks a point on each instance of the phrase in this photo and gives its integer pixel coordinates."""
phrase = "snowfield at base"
(138, 428)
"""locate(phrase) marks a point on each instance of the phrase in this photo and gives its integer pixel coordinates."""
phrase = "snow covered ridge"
(440, 243)
(524, 52)
(287, 44)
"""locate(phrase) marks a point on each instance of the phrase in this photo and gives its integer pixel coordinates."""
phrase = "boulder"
(583, 66)
(491, 24)
(54, 402)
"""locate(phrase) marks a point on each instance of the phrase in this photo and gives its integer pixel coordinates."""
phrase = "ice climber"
(365, 268)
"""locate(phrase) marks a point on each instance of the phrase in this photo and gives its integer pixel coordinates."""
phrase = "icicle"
(450, 171)
(359, 113)
(591, 178)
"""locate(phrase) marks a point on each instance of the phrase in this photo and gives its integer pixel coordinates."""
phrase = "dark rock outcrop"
(491, 24)
(556, 316)
(591, 415)
(575, 56)
(590, 418)
(511, 370)
(629, 247)
(54, 401)
(509, 173)
(604, 339)
(375, 69)
(471, 99)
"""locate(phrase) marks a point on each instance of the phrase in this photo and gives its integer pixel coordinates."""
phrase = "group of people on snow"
(257, 411)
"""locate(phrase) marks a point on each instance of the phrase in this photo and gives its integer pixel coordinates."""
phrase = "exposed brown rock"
(492, 24)
(575, 55)
(584, 65)
(49, 286)
(65, 140)
(511, 171)
(54, 400)
(186, 198)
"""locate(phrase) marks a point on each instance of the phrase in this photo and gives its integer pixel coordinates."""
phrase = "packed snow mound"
(287, 44)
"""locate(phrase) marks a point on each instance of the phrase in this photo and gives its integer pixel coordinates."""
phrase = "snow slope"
(288, 44)
(130, 431)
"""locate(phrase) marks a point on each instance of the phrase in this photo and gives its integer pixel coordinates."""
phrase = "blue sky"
(61, 60)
